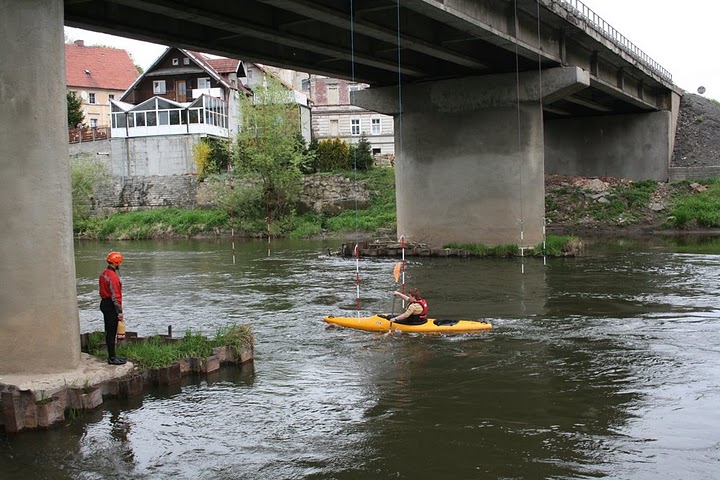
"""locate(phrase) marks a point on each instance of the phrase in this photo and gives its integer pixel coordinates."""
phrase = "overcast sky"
(679, 35)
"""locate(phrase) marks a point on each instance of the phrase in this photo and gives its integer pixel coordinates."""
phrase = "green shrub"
(333, 154)
(87, 174)
(211, 156)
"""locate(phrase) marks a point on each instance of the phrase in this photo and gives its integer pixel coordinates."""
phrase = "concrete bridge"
(487, 96)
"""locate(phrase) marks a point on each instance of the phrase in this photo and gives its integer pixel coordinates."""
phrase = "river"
(602, 366)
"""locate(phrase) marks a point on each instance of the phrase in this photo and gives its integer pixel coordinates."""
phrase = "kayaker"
(111, 304)
(417, 309)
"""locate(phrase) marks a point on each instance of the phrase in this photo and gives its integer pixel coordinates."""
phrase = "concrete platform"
(92, 371)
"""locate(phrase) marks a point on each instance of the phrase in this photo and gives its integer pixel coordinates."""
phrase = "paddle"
(396, 276)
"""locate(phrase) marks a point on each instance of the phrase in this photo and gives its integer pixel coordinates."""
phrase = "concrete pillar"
(470, 166)
(39, 323)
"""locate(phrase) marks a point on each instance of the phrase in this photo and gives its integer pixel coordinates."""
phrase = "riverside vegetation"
(626, 206)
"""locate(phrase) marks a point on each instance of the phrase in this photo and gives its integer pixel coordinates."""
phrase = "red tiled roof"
(110, 68)
(223, 65)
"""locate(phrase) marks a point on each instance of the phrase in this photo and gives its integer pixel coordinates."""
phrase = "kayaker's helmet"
(114, 259)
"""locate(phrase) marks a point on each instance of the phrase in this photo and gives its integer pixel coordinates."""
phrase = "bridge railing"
(608, 31)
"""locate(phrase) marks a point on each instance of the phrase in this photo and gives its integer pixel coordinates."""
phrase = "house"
(334, 117)
(97, 75)
(332, 114)
(182, 97)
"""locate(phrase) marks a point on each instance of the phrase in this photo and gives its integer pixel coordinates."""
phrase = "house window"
(111, 96)
(176, 61)
(93, 123)
(159, 87)
(186, 61)
(204, 82)
(305, 84)
(355, 126)
(375, 126)
(91, 98)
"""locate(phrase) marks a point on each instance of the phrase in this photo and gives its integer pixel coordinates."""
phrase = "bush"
(87, 173)
(333, 154)
(211, 156)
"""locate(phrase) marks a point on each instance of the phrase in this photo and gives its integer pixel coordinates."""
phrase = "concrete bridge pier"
(39, 322)
(470, 165)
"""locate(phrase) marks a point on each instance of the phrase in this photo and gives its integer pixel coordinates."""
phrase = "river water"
(604, 366)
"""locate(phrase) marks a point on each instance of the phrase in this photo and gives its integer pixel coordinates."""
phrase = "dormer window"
(176, 61)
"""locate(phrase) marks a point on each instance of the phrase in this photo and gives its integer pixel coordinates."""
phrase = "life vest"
(422, 315)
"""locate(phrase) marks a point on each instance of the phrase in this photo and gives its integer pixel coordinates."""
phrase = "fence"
(88, 134)
(608, 31)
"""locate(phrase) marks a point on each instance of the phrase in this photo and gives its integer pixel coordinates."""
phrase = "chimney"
(80, 43)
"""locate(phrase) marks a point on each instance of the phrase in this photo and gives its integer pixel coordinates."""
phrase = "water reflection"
(604, 365)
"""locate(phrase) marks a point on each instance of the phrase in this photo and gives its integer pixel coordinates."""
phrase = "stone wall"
(145, 193)
(321, 193)
(332, 194)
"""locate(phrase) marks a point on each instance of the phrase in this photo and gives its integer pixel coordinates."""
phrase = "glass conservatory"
(160, 116)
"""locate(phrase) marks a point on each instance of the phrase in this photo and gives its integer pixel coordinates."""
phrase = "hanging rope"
(540, 82)
(519, 138)
(355, 174)
(402, 269)
(232, 202)
(266, 98)
(400, 98)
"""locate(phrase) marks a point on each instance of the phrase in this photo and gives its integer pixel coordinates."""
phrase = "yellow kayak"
(377, 323)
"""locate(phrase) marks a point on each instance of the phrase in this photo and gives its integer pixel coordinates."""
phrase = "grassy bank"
(695, 206)
(683, 205)
(686, 205)
(174, 222)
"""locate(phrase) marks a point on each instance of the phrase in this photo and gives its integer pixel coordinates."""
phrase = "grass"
(621, 204)
(153, 352)
(555, 246)
(690, 209)
(155, 223)
(380, 212)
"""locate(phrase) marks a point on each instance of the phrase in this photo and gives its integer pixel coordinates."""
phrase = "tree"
(362, 153)
(76, 117)
(268, 154)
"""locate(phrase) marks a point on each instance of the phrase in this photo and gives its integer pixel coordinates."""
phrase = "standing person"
(417, 309)
(111, 304)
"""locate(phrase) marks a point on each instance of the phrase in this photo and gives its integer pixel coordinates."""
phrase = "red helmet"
(114, 258)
